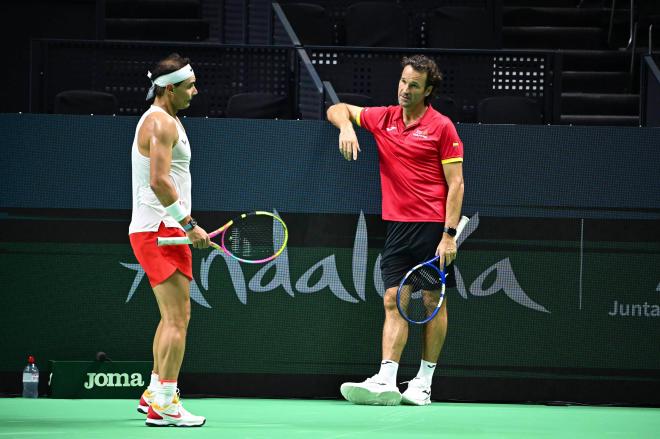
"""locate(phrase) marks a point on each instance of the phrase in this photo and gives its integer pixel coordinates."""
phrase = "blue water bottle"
(31, 379)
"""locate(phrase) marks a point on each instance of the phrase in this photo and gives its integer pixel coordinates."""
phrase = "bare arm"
(454, 177)
(343, 116)
(159, 137)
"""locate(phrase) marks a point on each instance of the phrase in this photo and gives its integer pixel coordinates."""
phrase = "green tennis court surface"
(278, 418)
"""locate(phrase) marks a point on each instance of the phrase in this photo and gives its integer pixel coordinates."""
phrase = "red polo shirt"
(412, 179)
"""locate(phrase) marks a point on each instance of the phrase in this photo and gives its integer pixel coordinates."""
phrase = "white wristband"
(175, 210)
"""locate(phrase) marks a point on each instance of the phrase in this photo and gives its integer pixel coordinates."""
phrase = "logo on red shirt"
(424, 134)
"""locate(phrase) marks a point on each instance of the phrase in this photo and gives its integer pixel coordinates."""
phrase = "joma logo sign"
(113, 380)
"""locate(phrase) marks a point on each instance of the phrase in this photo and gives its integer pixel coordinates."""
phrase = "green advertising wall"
(558, 273)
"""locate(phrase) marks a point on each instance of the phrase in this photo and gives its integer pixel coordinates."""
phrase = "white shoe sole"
(143, 409)
(408, 401)
(166, 423)
(362, 396)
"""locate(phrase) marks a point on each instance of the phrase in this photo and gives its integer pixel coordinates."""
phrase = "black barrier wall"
(558, 278)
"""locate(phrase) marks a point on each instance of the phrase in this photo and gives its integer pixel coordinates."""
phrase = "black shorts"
(408, 244)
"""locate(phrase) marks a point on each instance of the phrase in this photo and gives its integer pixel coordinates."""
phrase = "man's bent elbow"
(337, 109)
(331, 110)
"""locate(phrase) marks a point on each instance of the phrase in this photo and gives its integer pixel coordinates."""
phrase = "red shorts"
(161, 262)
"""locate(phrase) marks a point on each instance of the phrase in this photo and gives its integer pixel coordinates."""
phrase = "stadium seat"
(458, 27)
(85, 102)
(376, 24)
(447, 106)
(153, 8)
(167, 20)
(509, 110)
(161, 29)
(311, 23)
(255, 105)
(356, 99)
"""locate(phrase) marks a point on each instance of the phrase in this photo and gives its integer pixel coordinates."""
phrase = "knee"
(176, 316)
(178, 322)
(389, 301)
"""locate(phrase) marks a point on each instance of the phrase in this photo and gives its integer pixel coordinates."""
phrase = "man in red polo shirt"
(421, 174)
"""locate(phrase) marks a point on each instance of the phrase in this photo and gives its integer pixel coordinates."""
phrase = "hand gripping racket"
(253, 238)
(422, 290)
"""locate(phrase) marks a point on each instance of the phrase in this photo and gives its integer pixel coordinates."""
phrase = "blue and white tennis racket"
(422, 290)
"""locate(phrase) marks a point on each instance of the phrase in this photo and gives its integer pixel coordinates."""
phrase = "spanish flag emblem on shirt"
(455, 144)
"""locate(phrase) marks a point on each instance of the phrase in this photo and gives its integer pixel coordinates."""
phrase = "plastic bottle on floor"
(31, 379)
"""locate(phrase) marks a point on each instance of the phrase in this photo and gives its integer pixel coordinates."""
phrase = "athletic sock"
(154, 383)
(426, 370)
(165, 393)
(388, 370)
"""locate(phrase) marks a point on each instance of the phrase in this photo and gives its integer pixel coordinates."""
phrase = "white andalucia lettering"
(327, 276)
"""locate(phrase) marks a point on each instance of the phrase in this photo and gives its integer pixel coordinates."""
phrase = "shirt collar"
(399, 117)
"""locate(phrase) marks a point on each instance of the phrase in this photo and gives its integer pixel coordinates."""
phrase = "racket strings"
(426, 277)
(420, 293)
(255, 237)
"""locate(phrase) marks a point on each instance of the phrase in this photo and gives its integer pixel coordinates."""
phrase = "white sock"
(388, 370)
(165, 393)
(154, 383)
(426, 370)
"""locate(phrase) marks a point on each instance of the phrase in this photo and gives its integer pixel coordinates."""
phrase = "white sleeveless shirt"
(148, 212)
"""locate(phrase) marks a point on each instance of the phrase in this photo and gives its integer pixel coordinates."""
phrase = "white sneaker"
(173, 415)
(417, 393)
(372, 391)
(145, 400)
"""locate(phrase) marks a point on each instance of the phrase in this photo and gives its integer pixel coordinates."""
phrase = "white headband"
(182, 74)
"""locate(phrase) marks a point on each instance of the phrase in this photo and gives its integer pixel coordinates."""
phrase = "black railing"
(468, 75)
(649, 102)
(120, 68)
(311, 97)
(283, 33)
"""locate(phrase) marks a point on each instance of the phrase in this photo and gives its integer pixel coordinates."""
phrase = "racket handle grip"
(179, 240)
(461, 225)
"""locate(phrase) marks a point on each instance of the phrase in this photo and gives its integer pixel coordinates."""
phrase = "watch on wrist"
(450, 231)
(190, 225)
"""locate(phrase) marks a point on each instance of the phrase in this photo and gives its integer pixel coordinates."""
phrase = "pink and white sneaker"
(172, 415)
(145, 400)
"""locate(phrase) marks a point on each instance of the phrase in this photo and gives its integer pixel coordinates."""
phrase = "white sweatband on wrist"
(175, 210)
